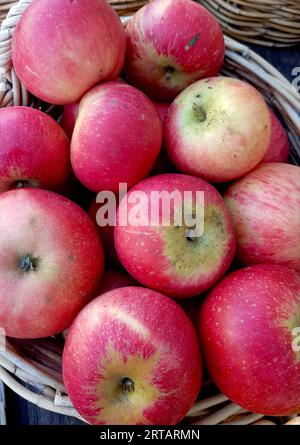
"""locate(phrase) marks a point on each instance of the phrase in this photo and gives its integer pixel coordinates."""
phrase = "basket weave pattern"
(265, 22)
(37, 363)
(126, 7)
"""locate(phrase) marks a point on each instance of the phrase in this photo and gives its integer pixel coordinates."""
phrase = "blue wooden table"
(20, 412)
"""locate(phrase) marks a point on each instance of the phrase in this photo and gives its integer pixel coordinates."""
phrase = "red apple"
(114, 279)
(62, 48)
(171, 44)
(247, 327)
(123, 366)
(279, 147)
(162, 110)
(172, 256)
(69, 118)
(70, 114)
(218, 129)
(34, 150)
(117, 137)
(51, 261)
(265, 207)
(162, 163)
(106, 234)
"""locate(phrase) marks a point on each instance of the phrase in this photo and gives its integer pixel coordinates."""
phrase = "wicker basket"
(32, 368)
(265, 22)
(126, 7)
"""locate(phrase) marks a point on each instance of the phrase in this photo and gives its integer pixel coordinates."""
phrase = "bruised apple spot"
(186, 253)
(115, 403)
(291, 324)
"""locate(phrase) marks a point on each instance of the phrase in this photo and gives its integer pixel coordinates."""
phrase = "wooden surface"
(20, 412)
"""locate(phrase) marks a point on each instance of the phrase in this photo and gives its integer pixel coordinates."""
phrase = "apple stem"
(199, 112)
(28, 263)
(127, 384)
(191, 235)
(169, 71)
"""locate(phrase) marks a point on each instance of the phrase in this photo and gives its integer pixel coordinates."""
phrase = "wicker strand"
(219, 416)
(264, 422)
(2, 405)
(11, 91)
(294, 421)
(246, 420)
(205, 404)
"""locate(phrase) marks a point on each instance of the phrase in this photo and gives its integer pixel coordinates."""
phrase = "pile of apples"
(132, 354)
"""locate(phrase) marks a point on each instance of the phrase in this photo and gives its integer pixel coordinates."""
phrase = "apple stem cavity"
(28, 263)
(20, 184)
(23, 183)
(191, 235)
(127, 384)
(169, 71)
(199, 112)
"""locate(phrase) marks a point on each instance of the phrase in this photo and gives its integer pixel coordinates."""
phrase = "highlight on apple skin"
(168, 257)
(246, 328)
(51, 261)
(218, 129)
(117, 137)
(59, 57)
(136, 370)
(171, 44)
(264, 206)
(34, 150)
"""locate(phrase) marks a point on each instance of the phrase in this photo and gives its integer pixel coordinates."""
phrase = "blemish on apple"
(192, 42)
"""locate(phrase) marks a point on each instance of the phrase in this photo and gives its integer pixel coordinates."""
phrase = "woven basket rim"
(42, 371)
(241, 18)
